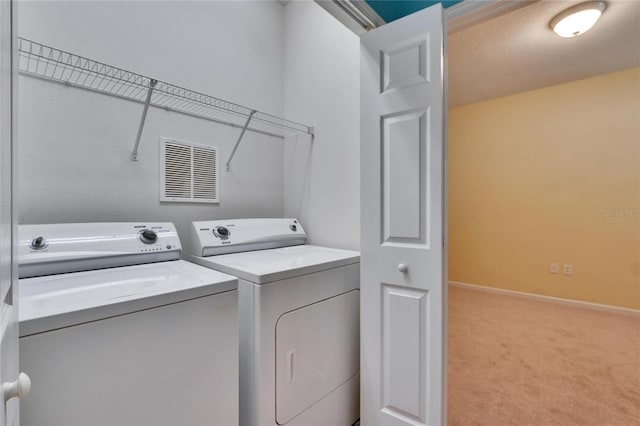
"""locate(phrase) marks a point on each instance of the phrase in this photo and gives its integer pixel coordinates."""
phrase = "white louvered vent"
(189, 172)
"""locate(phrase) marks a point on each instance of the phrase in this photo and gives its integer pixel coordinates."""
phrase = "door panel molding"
(409, 226)
(404, 348)
(405, 64)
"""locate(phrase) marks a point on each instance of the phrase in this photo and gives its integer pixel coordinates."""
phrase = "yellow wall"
(542, 177)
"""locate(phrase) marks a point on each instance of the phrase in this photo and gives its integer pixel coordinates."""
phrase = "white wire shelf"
(42, 61)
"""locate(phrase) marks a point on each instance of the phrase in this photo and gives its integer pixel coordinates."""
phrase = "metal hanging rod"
(42, 61)
(235, 147)
(134, 153)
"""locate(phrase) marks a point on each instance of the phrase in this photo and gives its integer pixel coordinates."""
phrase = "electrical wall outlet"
(567, 269)
(553, 268)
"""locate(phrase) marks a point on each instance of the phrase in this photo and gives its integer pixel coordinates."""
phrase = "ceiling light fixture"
(577, 19)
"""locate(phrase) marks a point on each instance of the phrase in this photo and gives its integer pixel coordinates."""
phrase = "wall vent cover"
(188, 172)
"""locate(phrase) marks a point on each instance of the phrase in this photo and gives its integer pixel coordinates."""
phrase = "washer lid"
(265, 266)
(56, 301)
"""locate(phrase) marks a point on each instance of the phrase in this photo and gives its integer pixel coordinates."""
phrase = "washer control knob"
(38, 243)
(403, 267)
(293, 228)
(148, 236)
(221, 232)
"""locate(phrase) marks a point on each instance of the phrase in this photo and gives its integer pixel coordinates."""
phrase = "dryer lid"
(266, 266)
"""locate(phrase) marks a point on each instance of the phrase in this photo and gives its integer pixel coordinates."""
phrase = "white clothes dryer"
(115, 329)
(299, 320)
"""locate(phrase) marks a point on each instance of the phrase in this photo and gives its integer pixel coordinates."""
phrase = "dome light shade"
(577, 19)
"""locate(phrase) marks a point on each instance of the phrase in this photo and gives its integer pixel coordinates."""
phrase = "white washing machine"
(116, 330)
(299, 320)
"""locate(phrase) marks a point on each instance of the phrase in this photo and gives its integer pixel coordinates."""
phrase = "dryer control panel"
(71, 247)
(214, 237)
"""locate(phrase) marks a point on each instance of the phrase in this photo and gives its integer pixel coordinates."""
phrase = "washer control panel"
(235, 235)
(94, 245)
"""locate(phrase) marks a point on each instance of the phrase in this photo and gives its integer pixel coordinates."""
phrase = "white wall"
(322, 87)
(74, 145)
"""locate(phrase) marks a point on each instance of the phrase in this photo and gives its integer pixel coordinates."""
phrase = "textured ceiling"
(517, 52)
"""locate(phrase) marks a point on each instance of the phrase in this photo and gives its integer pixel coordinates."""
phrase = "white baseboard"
(558, 300)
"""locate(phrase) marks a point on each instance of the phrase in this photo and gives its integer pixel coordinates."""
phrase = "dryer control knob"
(221, 232)
(38, 243)
(148, 236)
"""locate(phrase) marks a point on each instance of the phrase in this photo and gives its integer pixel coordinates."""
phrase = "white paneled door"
(11, 384)
(403, 291)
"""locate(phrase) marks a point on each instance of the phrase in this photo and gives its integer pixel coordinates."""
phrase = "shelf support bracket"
(134, 152)
(244, 129)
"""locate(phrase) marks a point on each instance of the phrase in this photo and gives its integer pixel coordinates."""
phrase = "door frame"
(9, 411)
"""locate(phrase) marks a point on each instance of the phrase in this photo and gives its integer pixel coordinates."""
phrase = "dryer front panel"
(317, 350)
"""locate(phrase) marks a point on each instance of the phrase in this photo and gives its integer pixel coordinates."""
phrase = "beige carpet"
(515, 361)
